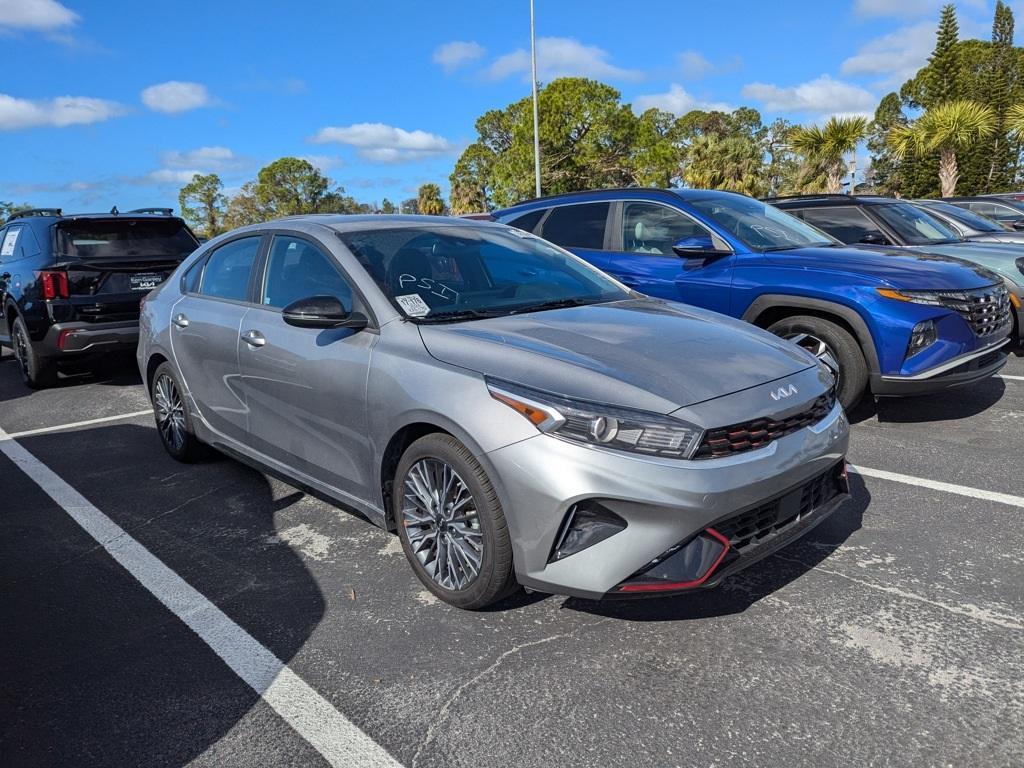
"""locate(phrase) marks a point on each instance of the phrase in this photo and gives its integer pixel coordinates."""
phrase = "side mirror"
(1018, 224)
(874, 238)
(696, 246)
(322, 312)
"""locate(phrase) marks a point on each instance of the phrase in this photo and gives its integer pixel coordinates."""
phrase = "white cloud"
(560, 57)
(381, 143)
(45, 15)
(176, 96)
(896, 56)
(457, 53)
(171, 176)
(678, 101)
(907, 9)
(63, 111)
(207, 159)
(693, 65)
(823, 95)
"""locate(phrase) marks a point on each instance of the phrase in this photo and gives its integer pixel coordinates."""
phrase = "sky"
(105, 103)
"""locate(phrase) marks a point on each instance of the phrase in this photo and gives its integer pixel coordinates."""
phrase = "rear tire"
(37, 372)
(853, 369)
(173, 421)
(452, 529)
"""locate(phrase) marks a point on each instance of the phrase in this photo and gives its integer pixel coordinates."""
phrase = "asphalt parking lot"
(892, 635)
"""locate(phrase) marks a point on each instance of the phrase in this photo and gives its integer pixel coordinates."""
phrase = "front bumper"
(70, 339)
(960, 371)
(664, 502)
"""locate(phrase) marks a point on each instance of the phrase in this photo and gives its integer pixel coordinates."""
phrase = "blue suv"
(892, 322)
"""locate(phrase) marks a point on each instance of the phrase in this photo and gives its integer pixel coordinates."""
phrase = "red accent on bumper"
(674, 586)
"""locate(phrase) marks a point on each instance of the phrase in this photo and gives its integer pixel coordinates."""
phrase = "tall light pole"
(536, 118)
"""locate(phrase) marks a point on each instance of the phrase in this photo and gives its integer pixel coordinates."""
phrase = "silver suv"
(517, 416)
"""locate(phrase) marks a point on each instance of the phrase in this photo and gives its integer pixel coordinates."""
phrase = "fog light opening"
(683, 567)
(922, 337)
(587, 523)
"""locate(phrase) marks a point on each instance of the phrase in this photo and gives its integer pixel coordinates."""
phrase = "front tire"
(451, 524)
(822, 337)
(173, 421)
(37, 372)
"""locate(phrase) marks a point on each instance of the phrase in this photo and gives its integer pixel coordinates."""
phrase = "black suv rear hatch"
(112, 262)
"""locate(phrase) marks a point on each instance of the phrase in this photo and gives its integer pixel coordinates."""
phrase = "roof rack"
(826, 195)
(156, 211)
(27, 212)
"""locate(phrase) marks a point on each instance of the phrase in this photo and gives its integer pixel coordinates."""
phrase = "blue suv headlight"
(923, 335)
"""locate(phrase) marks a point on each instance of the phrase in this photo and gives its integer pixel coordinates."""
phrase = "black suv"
(71, 286)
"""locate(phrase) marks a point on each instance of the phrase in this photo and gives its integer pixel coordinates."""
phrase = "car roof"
(342, 222)
(822, 201)
(615, 193)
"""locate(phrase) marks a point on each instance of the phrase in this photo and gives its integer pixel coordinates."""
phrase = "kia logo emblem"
(783, 392)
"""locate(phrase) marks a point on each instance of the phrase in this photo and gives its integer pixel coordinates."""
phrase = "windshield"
(914, 226)
(968, 218)
(116, 238)
(759, 226)
(442, 273)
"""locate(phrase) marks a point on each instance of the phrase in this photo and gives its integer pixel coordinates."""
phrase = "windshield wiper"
(557, 304)
(458, 314)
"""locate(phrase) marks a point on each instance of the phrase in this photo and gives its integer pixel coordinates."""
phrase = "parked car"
(1008, 210)
(968, 224)
(516, 415)
(883, 224)
(70, 285)
(893, 323)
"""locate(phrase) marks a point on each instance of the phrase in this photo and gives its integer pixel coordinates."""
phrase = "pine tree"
(1000, 79)
(887, 171)
(943, 83)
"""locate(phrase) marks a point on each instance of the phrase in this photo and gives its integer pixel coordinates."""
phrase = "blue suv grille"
(986, 310)
(750, 435)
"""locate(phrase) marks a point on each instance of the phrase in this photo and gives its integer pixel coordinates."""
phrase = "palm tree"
(1015, 121)
(824, 148)
(947, 129)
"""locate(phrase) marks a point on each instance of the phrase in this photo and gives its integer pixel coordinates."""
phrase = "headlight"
(922, 336)
(597, 424)
(931, 298)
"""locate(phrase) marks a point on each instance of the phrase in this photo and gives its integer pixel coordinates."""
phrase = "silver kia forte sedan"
(517, 416)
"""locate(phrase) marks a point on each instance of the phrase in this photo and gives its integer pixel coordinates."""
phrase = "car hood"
(899, 268)
(998, 237)
(639, 353)
(999, 257)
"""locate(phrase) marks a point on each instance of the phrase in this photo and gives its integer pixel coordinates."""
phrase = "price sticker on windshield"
(10, 240)
(413, 305)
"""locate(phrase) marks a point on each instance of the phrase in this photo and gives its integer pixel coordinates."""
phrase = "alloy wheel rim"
(442, 523)
(21, 351)
(819, 349)
(170, 413)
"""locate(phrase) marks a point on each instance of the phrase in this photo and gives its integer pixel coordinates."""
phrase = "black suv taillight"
(55, 284)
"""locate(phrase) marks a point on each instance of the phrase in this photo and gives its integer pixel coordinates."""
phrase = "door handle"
(254, 338)
(180, 320)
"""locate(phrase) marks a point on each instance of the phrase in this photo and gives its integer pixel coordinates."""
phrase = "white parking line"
(334, 736)
(75, 424)
(1011, 378)
(936, 485)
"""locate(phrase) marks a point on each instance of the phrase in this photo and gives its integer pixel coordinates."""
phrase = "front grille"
(753, 527)
(986, 310)
(726, 441)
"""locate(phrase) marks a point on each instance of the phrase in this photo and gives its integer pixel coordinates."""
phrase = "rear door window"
(1001, 213)
(844, 222)
(577, 226)
(229, 268)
